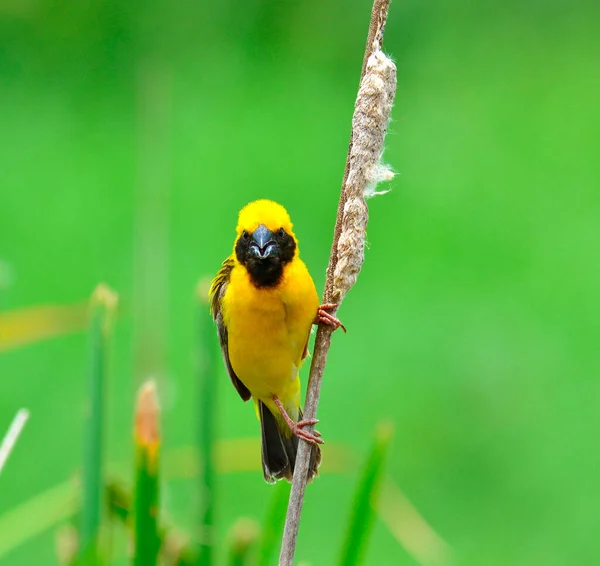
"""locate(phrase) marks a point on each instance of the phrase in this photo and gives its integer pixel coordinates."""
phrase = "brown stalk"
(363, 169)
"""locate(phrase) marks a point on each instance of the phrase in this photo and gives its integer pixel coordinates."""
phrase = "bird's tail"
(279, 448)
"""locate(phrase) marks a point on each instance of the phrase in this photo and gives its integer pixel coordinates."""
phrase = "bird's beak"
(262, 245)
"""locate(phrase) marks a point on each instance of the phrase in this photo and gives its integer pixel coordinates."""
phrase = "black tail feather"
(279, 452)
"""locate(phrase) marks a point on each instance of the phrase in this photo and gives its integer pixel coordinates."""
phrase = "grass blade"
(207, 359)
(233, 455)
(42, 512)
(103, 305)
(365, 500)
(410, 528)
(273, 524)
(145, 510)
(11, 437)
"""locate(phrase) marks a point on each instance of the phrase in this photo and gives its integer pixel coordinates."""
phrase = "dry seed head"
(147, 416)
(174, 546)
(105, 298)
(369, 125)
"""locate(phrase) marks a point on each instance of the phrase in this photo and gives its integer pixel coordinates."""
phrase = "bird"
(264, 303)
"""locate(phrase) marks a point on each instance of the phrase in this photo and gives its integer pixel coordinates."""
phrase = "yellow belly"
(268, 329)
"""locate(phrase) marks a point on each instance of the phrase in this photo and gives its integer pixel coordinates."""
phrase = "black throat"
(266, 272)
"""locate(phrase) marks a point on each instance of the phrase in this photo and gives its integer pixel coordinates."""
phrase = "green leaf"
(44, 511)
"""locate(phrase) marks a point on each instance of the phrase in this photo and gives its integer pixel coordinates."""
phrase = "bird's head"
(265, 242)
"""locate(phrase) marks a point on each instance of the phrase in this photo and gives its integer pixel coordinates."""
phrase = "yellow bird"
(264, 302)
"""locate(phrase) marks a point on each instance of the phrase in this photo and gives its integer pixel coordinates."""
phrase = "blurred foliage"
(132, 135)
(82, 539)
(272, 532)
(24, 326)
(207, 362)
(366, 500)
(244, 535)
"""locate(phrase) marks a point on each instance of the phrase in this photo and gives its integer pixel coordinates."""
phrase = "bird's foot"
(313, 437)
(323, 317)
(297, 428)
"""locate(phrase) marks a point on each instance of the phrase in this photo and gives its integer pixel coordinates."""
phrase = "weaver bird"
(264, 302)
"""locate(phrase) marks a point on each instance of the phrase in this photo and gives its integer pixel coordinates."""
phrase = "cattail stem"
(363, 171)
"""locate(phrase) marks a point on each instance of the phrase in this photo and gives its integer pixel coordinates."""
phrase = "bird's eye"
(281, 232)
(245, 235)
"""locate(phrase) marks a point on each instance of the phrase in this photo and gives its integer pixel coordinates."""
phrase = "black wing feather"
(217, 290)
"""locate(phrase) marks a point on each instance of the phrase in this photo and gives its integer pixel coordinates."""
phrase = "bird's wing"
(217, 291)
(305, 353)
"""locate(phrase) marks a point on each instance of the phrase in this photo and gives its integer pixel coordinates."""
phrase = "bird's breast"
(267, 332)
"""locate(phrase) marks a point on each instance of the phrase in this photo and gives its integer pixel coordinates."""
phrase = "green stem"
(365, 500)
(103, 304)
(146, 503)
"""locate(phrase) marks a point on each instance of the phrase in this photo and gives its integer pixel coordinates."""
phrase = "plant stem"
(331, 294)
(103, 305)
(146, 504)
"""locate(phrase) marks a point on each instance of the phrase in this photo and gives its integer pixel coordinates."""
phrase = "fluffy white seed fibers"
(369, 124)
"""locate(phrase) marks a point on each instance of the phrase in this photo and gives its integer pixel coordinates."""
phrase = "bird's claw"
(297, 428)
(307, 422)
(323, 317)
(310, 437)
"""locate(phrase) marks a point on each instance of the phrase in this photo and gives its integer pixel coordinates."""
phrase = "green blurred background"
(131, 135)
